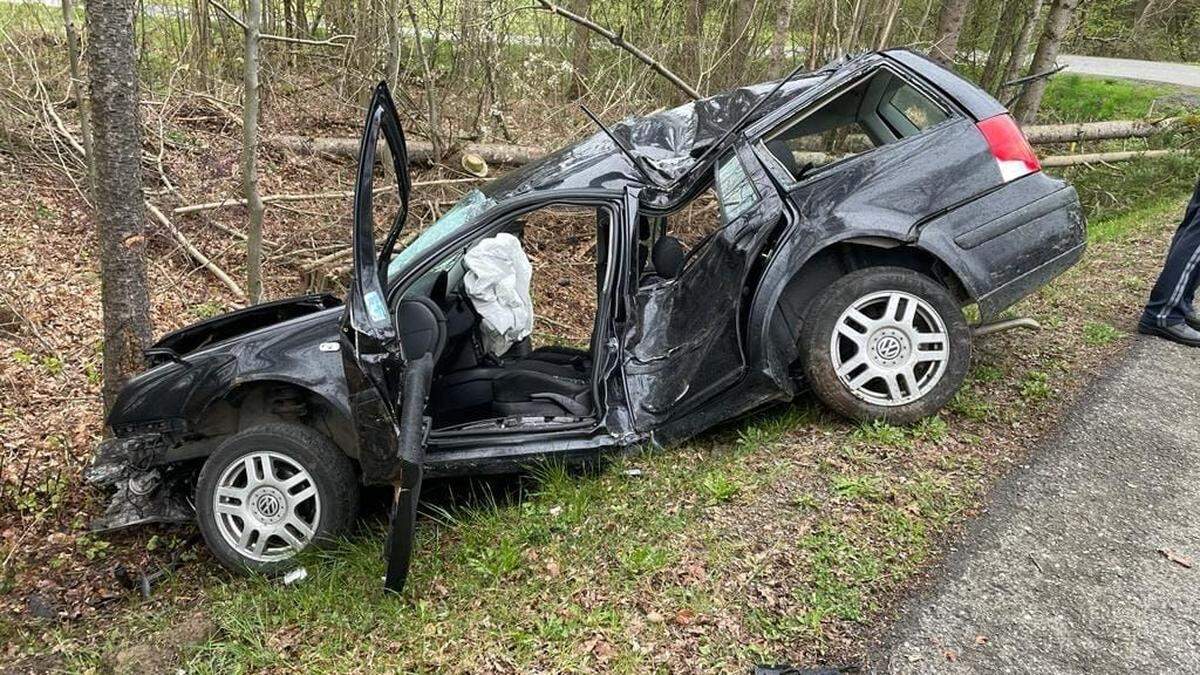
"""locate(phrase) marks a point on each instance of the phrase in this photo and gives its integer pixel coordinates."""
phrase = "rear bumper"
(1003, 297)
(1010, 242)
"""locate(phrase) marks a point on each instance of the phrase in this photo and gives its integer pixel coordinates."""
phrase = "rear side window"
(879, 109)
(916, 107)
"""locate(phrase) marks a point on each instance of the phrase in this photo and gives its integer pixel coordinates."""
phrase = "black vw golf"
(855, 211)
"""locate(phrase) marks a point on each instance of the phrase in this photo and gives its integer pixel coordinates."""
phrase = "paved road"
(1184, 74)
(1063, 573)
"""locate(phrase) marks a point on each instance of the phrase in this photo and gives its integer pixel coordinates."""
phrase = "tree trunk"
(581, 52)
(949, 26)
(693, 36)
(435, 125)
(289, 19)
(77, 85)
(885, 32)
(857, 19)
(1006, 29)
(816, 46)
(1016, 59)
(1057, 23)
(198, 41)
(1096, 131)
(301, 20)
(779, 41)
(735, 42)
(254, 233)
(392, 25)
(118, 190)
(1020, 48)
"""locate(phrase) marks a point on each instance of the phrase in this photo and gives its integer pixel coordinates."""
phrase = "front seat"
(536, 388)
(547, 383)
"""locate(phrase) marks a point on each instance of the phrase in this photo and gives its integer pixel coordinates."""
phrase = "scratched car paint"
(860, 208)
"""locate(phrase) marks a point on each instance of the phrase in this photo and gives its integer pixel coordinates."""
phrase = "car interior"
(544, 377)
(667, 243)
(881, 108)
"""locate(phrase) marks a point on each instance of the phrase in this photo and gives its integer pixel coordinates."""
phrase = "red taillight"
(1013, 153)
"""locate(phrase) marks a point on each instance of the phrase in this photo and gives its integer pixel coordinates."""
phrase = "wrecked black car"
(857, 210)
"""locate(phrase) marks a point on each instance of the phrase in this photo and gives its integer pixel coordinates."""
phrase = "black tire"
(332, 475)
(821, 321)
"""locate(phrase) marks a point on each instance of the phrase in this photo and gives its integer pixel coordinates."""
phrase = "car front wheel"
(885, 343)
(271, 491)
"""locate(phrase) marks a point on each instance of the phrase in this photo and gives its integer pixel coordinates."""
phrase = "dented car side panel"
(187, 393)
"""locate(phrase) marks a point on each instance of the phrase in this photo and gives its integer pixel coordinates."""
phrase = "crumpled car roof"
(672, 139)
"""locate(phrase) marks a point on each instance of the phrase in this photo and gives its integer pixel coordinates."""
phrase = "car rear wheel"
(885, 343)
(271, 491)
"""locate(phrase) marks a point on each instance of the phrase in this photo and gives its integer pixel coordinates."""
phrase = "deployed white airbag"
(497, 281)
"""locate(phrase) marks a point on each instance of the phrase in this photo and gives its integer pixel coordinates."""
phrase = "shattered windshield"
(459, 215)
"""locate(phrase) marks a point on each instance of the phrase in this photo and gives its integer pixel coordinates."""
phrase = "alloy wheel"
(889, 348)
(267, 506)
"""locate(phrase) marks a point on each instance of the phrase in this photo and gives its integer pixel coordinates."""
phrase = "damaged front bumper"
(142, 494)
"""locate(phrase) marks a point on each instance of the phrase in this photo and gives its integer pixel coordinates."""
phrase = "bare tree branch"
(618, 40)
(195, 252)
(334, 41)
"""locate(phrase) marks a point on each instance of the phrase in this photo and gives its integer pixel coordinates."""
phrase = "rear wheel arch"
(901, 362)
(782, 311)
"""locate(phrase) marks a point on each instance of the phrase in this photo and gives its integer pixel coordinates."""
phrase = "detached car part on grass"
(862, 207)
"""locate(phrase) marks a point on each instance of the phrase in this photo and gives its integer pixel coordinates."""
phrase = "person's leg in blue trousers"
(1171, 298)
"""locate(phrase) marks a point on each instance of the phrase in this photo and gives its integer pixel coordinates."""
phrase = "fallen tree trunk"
(341, 194)
(516, 155)
(1104, 157)
(1095, 131)
(418, 151)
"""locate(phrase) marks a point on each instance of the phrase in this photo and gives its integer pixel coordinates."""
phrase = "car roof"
(671, 139)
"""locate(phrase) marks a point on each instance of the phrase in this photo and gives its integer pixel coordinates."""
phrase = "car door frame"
(496, 451)
(372, 354)
(720, 394)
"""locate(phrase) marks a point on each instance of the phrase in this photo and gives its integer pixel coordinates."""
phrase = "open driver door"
(388, 373)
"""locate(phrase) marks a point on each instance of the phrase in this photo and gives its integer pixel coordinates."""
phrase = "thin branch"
(1035, 76)
(618, 40)
(329, 42)
(195, 252)
(1022, 83)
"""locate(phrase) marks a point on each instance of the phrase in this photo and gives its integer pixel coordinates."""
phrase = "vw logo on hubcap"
(268, 504)
(888, 348)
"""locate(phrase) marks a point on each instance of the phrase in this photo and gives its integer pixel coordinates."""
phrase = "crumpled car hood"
(242, 321)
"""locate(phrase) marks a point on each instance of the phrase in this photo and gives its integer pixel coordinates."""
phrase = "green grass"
(1036, 386)
(1082, 98)
(880, 433)
(1098, 334)
(1112, 195)
(970, 404)
(1120, 227)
